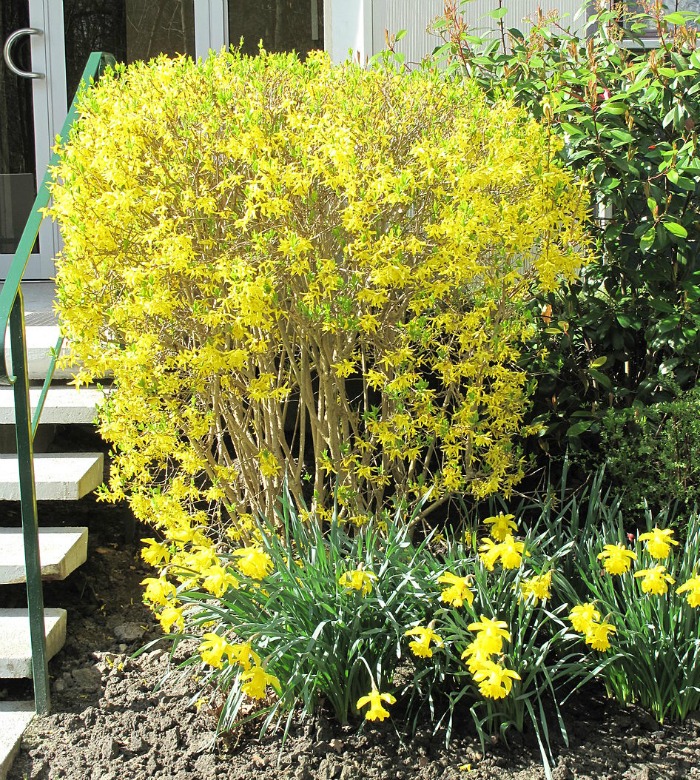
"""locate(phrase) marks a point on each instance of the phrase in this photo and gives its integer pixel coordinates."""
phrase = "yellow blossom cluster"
(495, 681)
(307, 275)
(585, 618)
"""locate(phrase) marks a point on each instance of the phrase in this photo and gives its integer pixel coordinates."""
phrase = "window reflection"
(281, 25)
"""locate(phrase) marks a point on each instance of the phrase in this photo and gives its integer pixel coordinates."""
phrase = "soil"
(113, 718)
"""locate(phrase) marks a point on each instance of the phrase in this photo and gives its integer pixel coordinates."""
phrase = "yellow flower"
(253, 562)
(357, 579)
(659, 542)
(538, 587)
(501, 526)
(218, 580)
(692, 587)
(256, 680)
(158, 591)
(424, 636)
(213, 649)
(616, 558)
(582, 616)
(656, 580)
(156, 552)
(244, 655)
(458, 592)
(374, 699)
(490, 634)
(476, 655)
(597, 635)
(489, 552)
(172, 616)
(494, 680)
(511, 552)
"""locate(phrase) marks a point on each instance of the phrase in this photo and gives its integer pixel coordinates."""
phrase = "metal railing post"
(30, 517)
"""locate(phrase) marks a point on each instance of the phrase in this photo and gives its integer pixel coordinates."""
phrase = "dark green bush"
(653, 453)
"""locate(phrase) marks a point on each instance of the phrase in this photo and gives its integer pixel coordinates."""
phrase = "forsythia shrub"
(301, 272)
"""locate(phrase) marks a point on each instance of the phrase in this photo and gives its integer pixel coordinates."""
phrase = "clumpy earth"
(116, 717)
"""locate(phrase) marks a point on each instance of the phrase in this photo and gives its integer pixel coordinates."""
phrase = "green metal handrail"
(12, 320)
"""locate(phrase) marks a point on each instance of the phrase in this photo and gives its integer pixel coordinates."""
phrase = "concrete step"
(41, 341)
(15, 716)
(59, 477)
(15, 645)
(64, 404)
(61, 551)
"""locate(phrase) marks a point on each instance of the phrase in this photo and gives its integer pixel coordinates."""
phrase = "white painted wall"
(347, 29)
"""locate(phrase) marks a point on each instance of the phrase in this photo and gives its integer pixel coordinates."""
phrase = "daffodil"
(538, 587)
(424, 636)
(616, 558)
(476, 654)
(458, 591)
(597, 635)
(692, 588)
(490, 634)
(357, 579)
(374, 699)
(494, 680)
(489, 552)
(253, 562)
(156, 552)
(158, 590)
(213, 648)
(656, 580)
(244, 655)
(172, 616)
(501, 526)
(218, 580)
(582, 616)
(255, 682)
(511, 552)
(659, 542)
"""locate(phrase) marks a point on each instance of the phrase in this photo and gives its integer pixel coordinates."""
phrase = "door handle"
(7, 50)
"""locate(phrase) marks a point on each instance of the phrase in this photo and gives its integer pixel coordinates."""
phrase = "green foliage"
(653, 454)
(305, 273)
(628, 117)
(655, 649)
(321, 635)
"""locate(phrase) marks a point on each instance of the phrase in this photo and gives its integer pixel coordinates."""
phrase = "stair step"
(15, 645)
(15, 716)
(64, 405)
(61, 551)
(41, 341)
(59, 477)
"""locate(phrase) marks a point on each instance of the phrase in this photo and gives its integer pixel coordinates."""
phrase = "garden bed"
(110, 722)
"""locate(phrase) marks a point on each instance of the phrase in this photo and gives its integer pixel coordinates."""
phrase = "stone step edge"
(61, 551)
(15, 716)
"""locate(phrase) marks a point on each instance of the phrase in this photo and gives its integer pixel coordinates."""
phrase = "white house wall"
(359, 25)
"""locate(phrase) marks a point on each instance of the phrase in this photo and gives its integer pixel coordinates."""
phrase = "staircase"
(58, 476)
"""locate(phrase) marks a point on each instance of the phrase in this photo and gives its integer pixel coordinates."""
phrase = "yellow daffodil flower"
(582, 616)
(172, 616)
(538, 587)
(616, 558)
(421, 645)
(692, 588)
(218, 580)
(501, 526)
(158, 591)
(491, 634)
(244, 655)
(458, 591)
(253, 562)
(656, 580)
(156, 552)
(489, 553)
(213, 649)
(374, 699)
(494, 680)
(357, 579)
(659, 542)
(511, 552)
(476, 655)
(256, 680)
(597, 635)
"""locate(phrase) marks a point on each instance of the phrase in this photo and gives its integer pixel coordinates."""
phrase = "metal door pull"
(27, 74)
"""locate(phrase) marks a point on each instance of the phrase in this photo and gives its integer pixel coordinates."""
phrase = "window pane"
(281, 25)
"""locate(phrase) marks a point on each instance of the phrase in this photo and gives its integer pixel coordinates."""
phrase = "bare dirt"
(112, 720)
